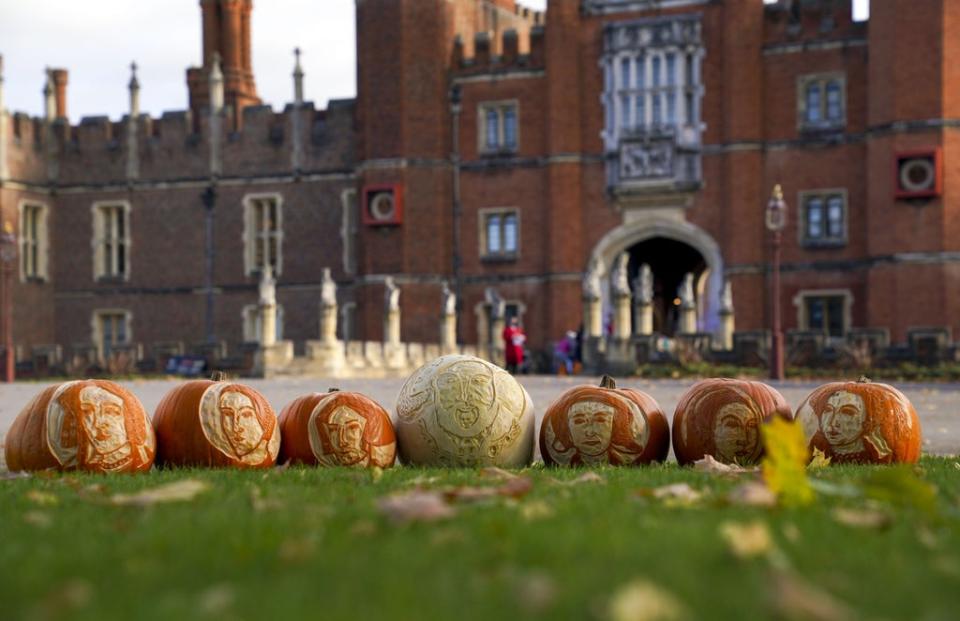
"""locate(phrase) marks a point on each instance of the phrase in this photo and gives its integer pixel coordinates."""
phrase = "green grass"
(315, 546)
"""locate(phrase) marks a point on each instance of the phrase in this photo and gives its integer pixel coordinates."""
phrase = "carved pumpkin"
(216, 423)
(722, 418)
(337, 429)
(591, 425)
(92, 425)
(464, 411)
(861, 422)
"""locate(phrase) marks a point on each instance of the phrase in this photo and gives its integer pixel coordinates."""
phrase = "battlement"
(511, 56)
(807, 20)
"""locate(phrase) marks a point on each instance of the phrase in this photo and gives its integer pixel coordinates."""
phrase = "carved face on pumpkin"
(842, 421)
(466, 391)
(239, 421)
(345, 430)
(591, 427)
(736, 431)
(102, 420)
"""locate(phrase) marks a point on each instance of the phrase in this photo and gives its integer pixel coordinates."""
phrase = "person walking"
(513, 340)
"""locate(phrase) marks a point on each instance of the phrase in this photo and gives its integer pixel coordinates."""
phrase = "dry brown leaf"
(711, 466)
(44, 499)
(416, 506)
(862, 518)
(492, 472)
(641, 600)
(38, 519)
(178, 491)
(752, 494)
(586, 477)
(747, 540)
(676, 494)
(514, 488)
(795, 598)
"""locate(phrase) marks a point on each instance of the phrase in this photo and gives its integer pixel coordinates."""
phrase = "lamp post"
(8, 254)
(776, 220)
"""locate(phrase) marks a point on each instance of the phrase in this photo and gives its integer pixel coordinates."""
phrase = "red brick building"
(492, 146)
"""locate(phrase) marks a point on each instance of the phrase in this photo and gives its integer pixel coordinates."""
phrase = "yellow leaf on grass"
(41, 498)
(749, 540)
(820, 460)
(785, 462)
(178, 491)
(641, 600)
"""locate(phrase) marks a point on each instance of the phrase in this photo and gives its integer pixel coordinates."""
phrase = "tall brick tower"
(226, 33)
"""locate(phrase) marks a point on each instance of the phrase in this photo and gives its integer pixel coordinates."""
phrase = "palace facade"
(501, 149)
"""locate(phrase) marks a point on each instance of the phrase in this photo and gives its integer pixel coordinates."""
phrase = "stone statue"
(591, 280)
(268, 287)
(643, 285)
(619, 280)
(726, 298)
(498, 308)
(685, 292)
(328, 289)
(391, 296)
(448, 300)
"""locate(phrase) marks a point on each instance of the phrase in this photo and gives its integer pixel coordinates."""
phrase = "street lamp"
(8, 255)
(776, 220)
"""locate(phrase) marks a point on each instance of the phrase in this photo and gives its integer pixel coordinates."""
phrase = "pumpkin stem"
(607, 382)
(333, 390)
(218, 376)
(863, 380)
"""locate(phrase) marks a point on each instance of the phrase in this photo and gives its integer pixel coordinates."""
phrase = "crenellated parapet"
(797, 21)
(514, 53)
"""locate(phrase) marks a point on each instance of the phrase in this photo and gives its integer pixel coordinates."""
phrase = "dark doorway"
(669, 260)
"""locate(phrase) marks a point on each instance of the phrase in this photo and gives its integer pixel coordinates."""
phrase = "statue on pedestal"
(391, 296)
(448, 300)
(591, 280)
(328, 289)
(619, 279)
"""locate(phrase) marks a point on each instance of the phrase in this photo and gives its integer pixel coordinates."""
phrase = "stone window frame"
(96, 330)
(502, 255)
(99, 240)
(803, 321)
(500, 106)
(822, 80)
(803, 197)
(41, 267)
(250, 322)
(252, 233)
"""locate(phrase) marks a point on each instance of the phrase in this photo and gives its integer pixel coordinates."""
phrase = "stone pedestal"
(620, 357)
(273, 359)
(621, 318)
(391, 328)
(688, 320)
(394, 356)
(498, 353)
(644, 319)
(268, 325)
(725, 336)
(448, 334)
(328, 323)
(592, 318)
(326, 358)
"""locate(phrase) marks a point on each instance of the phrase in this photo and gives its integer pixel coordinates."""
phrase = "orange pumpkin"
(337, 429)
(722, 418)
(92, 425)
(591, 425)
(861, 422)
(216, 423)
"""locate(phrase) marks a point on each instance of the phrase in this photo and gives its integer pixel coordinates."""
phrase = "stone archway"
(709, 285)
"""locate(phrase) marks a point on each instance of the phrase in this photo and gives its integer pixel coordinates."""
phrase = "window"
(111, 237)
(826, 314)
(500, 236)
(111, 328)
(252, 329)
(823, 218)
(33, 241)
(822, 101)
(498, 131)
(263, 238)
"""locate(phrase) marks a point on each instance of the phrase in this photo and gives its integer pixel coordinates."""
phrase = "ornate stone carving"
(646, 160)
(643, 285)
(591, 279)
(685, 292)
(619, 279)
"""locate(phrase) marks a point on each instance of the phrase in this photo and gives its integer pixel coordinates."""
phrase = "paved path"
(937, 404)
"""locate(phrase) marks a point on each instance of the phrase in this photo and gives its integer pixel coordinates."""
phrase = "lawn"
(315, 543)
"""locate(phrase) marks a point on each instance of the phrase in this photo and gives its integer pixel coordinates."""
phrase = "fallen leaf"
(297, 550)
(928, 538)
(38, 519)
(711, 466)
(178, 491)
(641, 600)
(415, 506)
(535, 591)
(586, 477)
(791, 532)
(535, 510)
(376, 473)
(819, 460)
(785, 461)
(795, 598)
(217, 599)
(752, 494)
(747, 540)
(862, 518)
(492, 472)
(422, 481)
(44, 499)
(514, 488)
(676, 494)
(259, 503)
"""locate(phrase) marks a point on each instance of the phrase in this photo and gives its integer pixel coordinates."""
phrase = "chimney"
(60, 91)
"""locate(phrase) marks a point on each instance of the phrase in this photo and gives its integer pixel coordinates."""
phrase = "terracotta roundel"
(591, 425)
(337, 429)
(861, 422)
(722, 418)
(464, 411)
(216, 423)
(93, 425)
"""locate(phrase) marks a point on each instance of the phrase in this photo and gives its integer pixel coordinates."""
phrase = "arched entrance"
(672, 247)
